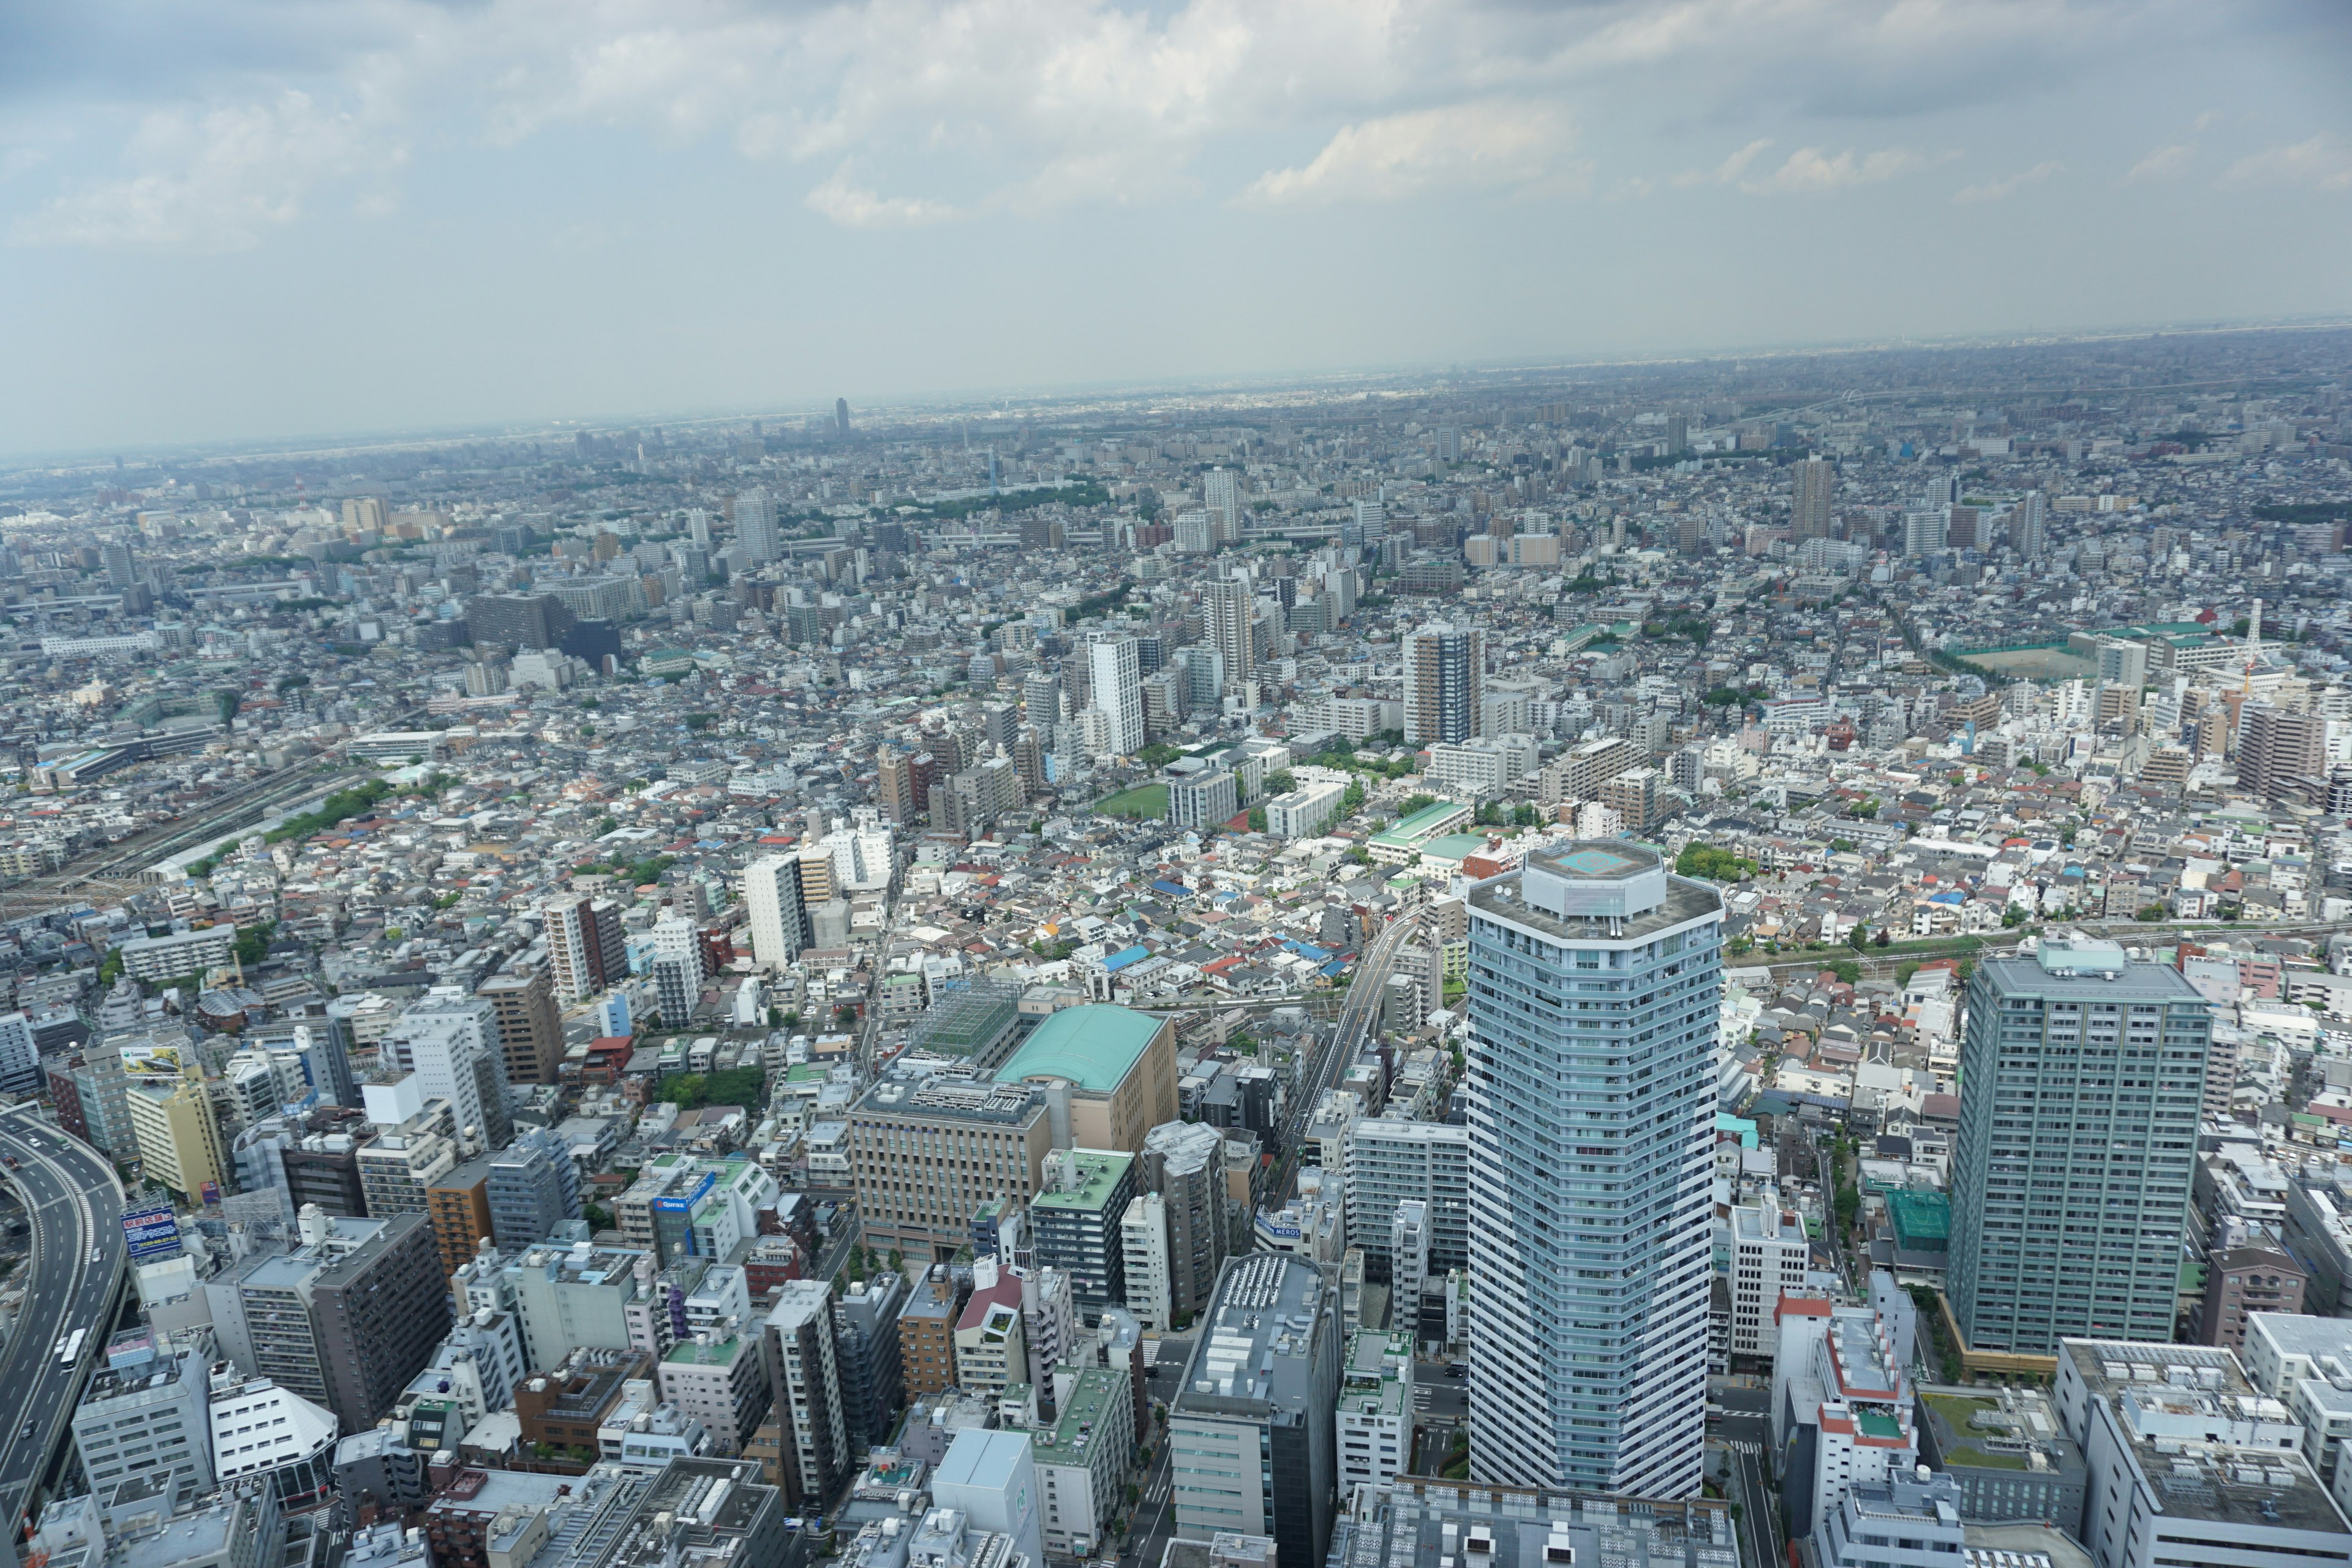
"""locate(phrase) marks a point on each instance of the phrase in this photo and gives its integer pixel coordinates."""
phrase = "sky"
(225, 220)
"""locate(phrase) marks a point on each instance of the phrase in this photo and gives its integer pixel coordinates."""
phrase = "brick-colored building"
(563, 1408)
(458, 1204)
(927, 1329)
(2242, 1279)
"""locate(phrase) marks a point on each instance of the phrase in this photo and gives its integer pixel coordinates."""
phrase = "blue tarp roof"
(1176, 889)
(1125, 956)
(1312, 954)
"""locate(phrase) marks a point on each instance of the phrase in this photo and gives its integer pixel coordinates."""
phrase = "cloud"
(2164, 164)
(2322, 163)
(215, 182)
(1728, 171)
(1994, 190)
(1809, 169)
(1477, 146)
(853, 206)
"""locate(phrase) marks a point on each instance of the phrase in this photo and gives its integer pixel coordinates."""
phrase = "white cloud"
(1477, 146)
(216, 182)
(1728, 171)
(1994, 190)
(2164, 164)
(2322, 163)
(1809, 169)
(853, 206)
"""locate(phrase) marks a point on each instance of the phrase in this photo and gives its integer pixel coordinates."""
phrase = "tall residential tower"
(1595, 983)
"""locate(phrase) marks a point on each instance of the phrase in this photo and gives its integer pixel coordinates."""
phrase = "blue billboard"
(152, 1230)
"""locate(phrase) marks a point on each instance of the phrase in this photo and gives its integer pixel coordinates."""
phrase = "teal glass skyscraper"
(2082, 1074)
(1596, 979)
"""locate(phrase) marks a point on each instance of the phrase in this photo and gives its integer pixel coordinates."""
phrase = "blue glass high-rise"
(1595, 990)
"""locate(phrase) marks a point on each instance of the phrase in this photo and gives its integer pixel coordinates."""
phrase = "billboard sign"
(152, 1230)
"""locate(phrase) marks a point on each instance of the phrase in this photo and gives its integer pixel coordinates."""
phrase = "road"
(1154, 1520)
(1355, 1015)
(74, 1202)
(1745, 1428)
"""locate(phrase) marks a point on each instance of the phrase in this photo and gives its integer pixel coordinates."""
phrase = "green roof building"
(1119, 1066)
(1077, 1221)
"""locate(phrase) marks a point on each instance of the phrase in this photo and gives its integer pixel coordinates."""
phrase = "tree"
(1881, 939)
(1527, 816)
(1257, 819)
(1280, 782)
(1715, 864)
(2150, 913)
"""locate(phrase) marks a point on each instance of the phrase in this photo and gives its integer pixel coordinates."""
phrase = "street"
(72, 1199)
(1745, 1428)
(1355, 1014)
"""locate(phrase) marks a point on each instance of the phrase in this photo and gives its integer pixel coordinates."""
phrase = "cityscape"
(1562, 914)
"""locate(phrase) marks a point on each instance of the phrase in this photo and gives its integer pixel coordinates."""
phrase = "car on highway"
(28, 1433)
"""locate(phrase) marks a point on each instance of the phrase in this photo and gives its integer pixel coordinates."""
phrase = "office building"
(457, 1208)
(1229, 610)
(807, 1392)
(1183, 1165)
(721, 1380)
(930, 1149)
(533, 1187)
(1444, 668)
(146, 1414)
(1252, 1429)
(1591, 1144)
(772, 895)
(1842, 1406)
(1207, 799)
(1143, 1259)
(990, 1478)
(517, 622)
(1221, 493)
(2081, 1076)
(530, 1029)
(1082, 1458)
(1391, 1161)
(2005, 1449)
(1303, 812)
(866, 1350)
(1421, 1519)
(1770, 1256)
(1816, 486)
(2188, 1463)
(584, 945)
(20, 1059)
(1907, 1521)
(408, 1156)
(926, 1326)
(177, 1135)
(1110, 1073)
(1074, 1222)
(450, 1041)
(1376, 1408)
(1116, 690)
(565, 1297)
(322, 1167)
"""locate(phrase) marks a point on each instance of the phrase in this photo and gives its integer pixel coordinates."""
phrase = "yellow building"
(179, 1141)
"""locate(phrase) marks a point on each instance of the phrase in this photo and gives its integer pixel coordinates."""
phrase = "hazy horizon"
(255, 221)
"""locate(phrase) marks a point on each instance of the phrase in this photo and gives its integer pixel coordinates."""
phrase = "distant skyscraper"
(1117, 685)
(1372, 520)
(1228, 606)
(1221, 491)
(2080, 1078)
(755, 525)
(1443, 669)
(2029, 526)
(1595, 980)
(1678, 433)
(841, 415)
(122, 564)
(1810, 513)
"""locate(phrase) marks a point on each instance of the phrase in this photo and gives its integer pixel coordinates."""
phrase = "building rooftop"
(1607, 889)
(1073, 1432)
(2206, 1444)
(2084, 970)
(1417, 1523)
(1094, 1047)
(1091, 1177)
(1254, 1350)
(1375, 1373)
